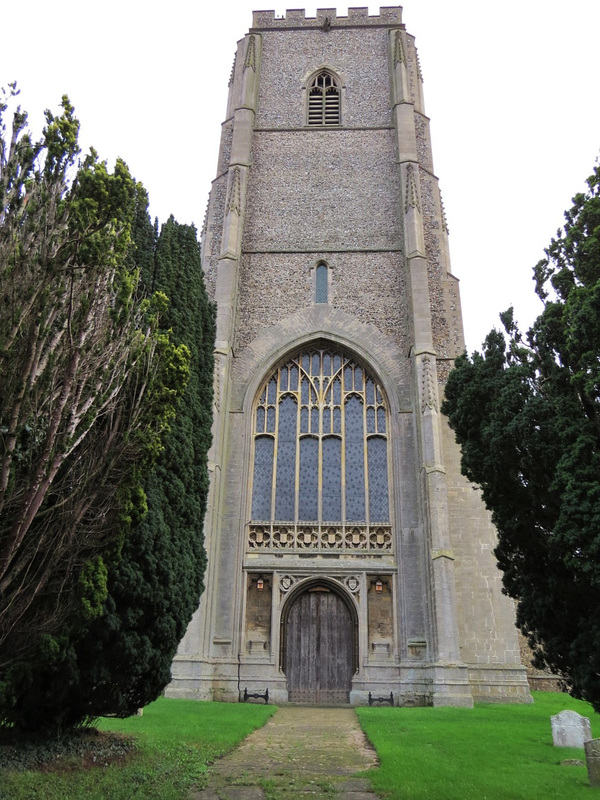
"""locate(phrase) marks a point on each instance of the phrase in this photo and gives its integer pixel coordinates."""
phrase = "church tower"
(347, 554)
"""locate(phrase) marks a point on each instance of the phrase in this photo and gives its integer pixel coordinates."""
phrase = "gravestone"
(592, 757)
(570, 729)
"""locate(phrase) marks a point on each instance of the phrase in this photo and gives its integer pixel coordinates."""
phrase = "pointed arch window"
(321, 445)
(324, 100)
(321, 283)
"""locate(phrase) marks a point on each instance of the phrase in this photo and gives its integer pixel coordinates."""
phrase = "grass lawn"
(486, 753)
(176, 739)
(491, 752)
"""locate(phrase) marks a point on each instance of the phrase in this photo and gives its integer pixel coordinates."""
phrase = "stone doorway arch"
(319, 644)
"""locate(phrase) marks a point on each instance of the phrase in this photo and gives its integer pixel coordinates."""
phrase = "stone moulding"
(250, 62)
(399, 53)
(429, 395)
(298, 537)
(234, 204)
(412, 192)
(442, 554)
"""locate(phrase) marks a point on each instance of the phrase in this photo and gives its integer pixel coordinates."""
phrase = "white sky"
(511, 89)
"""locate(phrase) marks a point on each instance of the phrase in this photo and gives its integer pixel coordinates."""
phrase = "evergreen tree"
(526, 413)
(122, 659)
(89, 387)
(156, 586)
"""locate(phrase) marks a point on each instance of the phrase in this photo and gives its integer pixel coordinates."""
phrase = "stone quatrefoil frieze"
(297, 536)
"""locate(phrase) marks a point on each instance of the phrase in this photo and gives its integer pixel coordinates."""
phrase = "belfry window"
(324, 100)
(321, 445)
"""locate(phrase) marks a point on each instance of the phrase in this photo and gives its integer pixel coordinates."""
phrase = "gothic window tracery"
(324, 107)
(320, 472)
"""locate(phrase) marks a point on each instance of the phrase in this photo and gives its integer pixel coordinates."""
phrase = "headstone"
(570, 729)
(592, 757)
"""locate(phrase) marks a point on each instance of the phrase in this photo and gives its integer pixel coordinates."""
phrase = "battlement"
(326, 18)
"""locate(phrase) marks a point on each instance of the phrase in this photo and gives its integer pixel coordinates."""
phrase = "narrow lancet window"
(321, 282)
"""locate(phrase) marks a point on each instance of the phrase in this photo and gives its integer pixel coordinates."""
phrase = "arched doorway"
(319, 647)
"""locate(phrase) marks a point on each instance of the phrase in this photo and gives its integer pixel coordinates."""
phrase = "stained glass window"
(378, 479)
(309, 478)
(355, 459)
(286, 459)
(263, 477)
(332, 478)
(321, 443)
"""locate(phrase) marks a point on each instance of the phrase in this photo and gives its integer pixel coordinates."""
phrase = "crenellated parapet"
(326, 18)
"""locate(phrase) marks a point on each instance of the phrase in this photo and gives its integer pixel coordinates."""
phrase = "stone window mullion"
(328, 460)
(324, 100)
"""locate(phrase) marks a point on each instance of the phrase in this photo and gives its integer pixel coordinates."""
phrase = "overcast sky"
(511, 89)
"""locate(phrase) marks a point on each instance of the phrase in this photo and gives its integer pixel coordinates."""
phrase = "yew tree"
(89, 386)
(526, 412)
(121, 659)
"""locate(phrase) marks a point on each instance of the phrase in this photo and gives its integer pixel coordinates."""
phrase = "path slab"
(300, 754)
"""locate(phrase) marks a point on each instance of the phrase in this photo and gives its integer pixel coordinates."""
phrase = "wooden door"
(319, 649)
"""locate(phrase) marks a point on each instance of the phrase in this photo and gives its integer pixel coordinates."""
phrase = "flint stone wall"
(361, 60)
(334, 189)
(369, 286)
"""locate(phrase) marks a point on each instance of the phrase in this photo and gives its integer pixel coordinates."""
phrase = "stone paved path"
(300, 754)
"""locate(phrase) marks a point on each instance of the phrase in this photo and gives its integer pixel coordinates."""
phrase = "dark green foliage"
(92, 606)
(526, 414)
(155, 587)
(89, 385)
(121, 660)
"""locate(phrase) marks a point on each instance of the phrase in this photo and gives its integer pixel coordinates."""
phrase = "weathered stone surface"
(592, 757)
(570, 729)
(299, 753)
